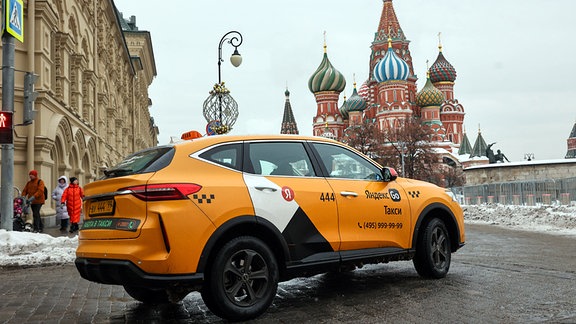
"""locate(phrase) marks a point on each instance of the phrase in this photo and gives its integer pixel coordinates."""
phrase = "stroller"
(22, 220)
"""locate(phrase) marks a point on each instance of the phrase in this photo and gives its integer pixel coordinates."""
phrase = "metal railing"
(525, 193)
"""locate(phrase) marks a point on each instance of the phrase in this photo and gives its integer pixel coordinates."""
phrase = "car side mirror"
(389, 174)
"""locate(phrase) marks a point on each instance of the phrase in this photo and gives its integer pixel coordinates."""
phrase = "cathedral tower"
(389, 28)
(443, 75)
(391, 73)
(288, 122)
(326, 84)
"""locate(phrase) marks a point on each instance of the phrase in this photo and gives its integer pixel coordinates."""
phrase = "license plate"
(101, 207)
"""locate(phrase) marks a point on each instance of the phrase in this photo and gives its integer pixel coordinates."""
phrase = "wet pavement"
(500, 276)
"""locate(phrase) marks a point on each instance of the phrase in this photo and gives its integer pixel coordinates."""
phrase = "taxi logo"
(394, 195)
(287, 193)
(203, 198)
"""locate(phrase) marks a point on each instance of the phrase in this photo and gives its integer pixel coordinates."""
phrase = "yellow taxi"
(231, 216)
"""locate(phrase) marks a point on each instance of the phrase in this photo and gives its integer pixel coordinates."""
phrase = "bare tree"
(408, 148)
(364, 137)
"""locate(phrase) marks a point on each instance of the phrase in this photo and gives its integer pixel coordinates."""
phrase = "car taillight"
(163, 191)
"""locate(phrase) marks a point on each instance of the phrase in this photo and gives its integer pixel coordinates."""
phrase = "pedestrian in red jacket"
(72, 197)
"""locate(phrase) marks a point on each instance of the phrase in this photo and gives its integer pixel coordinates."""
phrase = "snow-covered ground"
(31, 249)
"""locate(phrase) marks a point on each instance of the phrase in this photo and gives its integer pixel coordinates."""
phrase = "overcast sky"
(514, 59)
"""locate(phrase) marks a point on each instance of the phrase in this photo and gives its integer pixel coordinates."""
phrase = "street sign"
(14, 15)
(211, 126)
(6, 127)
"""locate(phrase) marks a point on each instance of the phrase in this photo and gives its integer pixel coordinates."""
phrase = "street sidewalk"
(55, 231)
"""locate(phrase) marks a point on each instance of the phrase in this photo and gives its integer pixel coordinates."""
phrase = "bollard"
(502, 199)
(490, 199)
(546, 199)
(516, 199)
(530, 200)
(565, 198)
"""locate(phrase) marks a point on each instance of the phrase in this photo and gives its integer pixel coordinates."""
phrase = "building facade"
(94, 69)
(390, 92)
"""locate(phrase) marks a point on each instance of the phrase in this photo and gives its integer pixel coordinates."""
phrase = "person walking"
(34, 193)
(72, 197)
(62, 216)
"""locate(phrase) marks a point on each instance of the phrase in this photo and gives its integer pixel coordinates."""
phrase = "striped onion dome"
(355, 102)
(343, 110)
(429, 95)
(391, 67)
(364, 91)
(442, 70)
(326, 77)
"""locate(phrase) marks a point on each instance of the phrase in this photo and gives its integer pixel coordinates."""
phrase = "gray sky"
(514, 59)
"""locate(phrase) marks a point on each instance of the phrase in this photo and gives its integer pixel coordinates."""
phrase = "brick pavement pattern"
(57, 294)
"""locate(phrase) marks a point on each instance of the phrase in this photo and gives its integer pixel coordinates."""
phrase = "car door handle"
(265, 189)
(348, 194)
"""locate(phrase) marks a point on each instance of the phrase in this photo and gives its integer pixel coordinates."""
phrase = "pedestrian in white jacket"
(61, 211)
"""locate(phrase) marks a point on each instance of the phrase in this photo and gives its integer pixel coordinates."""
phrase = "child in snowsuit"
(61, 211)
(72, 197)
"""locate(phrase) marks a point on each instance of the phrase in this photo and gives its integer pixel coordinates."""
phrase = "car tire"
(242, 280)
(433, 253)
(147, 295)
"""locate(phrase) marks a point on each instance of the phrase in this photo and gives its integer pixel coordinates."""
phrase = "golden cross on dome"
(324, 41)
(439, 41)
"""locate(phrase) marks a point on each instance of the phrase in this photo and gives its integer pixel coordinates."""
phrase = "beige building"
(94, 69)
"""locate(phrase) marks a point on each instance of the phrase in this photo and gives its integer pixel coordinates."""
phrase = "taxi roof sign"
(190, 135)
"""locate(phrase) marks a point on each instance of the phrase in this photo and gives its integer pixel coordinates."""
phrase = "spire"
(465, 147)
(288, 122)
(389, 25)
(480, 146)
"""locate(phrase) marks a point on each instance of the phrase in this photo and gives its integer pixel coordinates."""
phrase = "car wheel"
(433, 254)
(242, 280)
(147, 295)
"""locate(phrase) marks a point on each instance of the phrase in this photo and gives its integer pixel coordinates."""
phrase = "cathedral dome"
(355, 102)
(442, 70)
(326, 77)
(429, 95)
(391, 67)
(364, 91)
(343, 110)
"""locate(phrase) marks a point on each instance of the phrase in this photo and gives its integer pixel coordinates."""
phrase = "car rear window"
(149, 160)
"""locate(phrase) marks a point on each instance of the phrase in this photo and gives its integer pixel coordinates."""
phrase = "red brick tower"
(326, 84)
(389, 27)
(443, 75)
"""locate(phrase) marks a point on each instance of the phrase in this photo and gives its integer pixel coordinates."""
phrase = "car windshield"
(150, 160)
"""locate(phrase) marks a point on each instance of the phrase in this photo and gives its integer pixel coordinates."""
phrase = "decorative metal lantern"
(220, 107)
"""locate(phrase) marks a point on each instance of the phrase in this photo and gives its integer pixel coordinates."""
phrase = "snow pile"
(34, 249)
(30, 249)
(549, 219)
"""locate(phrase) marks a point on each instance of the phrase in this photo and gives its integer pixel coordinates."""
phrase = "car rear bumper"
(122, 272)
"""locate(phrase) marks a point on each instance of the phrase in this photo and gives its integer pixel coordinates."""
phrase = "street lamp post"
(220, 109)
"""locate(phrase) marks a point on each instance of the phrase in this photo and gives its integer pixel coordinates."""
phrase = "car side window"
(226, 155)
(343, 163)
(280, 159)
